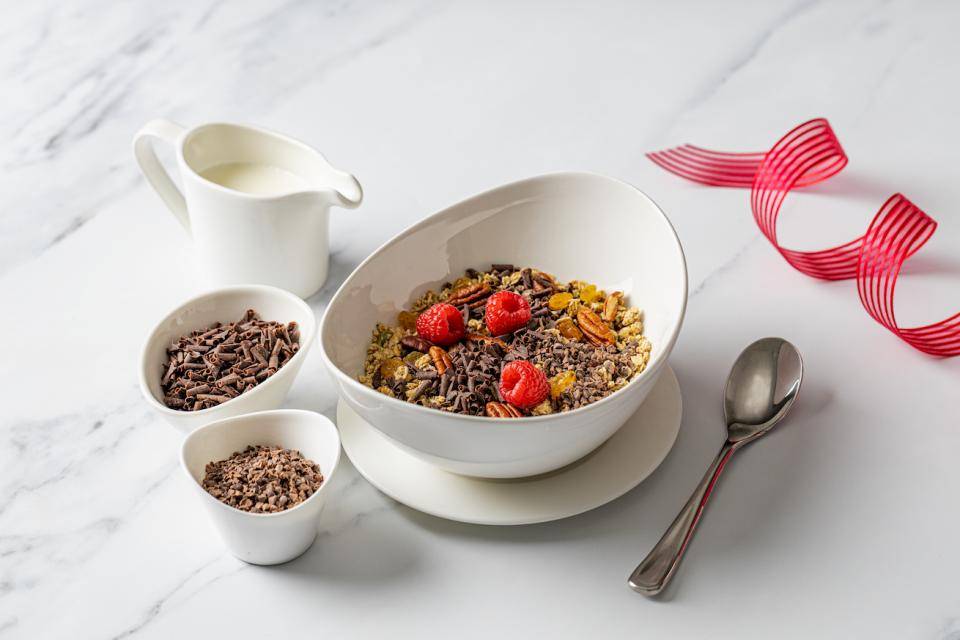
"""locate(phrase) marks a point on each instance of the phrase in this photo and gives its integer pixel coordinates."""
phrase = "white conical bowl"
(269, 538)
(226, 305)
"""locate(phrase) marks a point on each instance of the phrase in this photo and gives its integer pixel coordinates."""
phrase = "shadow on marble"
(362, 548)
(370, 552)
(922, 264)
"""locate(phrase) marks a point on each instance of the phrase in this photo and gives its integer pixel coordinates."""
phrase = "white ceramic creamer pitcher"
(255, 203)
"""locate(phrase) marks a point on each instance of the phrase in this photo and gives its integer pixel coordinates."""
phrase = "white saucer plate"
(617, 466)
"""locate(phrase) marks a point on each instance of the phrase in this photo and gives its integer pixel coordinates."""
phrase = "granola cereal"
(588, 342)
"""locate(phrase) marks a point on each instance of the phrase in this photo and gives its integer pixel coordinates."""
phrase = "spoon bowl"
(762, 386)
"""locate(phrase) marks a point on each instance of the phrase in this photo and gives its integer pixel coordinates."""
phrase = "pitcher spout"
(341, 189)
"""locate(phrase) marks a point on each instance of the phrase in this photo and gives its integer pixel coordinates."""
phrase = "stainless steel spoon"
(761, 388)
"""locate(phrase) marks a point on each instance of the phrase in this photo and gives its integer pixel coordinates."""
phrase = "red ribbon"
(809, 154)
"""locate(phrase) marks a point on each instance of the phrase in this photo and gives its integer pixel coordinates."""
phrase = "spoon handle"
(653, 574)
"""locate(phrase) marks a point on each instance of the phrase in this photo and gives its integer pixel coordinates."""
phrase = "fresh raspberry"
(441, 324)
(523, 385)
(506, 312)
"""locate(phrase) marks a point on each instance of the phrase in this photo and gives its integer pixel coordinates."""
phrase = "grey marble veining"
(849, 534)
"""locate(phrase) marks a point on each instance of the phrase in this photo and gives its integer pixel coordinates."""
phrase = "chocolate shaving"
(274, 354)
(527, 278)
(230, 358)
(445, 382)
(170, 371)
(228, 379)
(209, 397)
(263, 479)
(420, 390)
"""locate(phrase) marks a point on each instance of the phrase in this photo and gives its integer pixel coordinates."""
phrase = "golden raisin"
(561, 382)
(389, 368)
(589, 293)
(559, 301)
(407, 320)
(569, 329)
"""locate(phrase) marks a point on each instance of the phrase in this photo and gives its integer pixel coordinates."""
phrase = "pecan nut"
(415, 343)
(610, 306)
(470, 294)
(593, 328)
(441, 359)
(502, 410)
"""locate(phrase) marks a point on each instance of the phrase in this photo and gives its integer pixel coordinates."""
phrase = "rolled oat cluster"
(588, 342)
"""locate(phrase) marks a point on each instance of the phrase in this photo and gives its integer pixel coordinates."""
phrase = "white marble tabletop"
(843, 524)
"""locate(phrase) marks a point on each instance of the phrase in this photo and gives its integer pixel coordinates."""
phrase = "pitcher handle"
(154, 170)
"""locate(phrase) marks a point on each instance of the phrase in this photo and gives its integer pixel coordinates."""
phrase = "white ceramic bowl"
(226, 305)
(574, 225)
(269, 538)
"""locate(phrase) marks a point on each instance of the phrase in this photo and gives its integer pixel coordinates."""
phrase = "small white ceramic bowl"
(226, 305)
(269, 538)
(574, 225)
